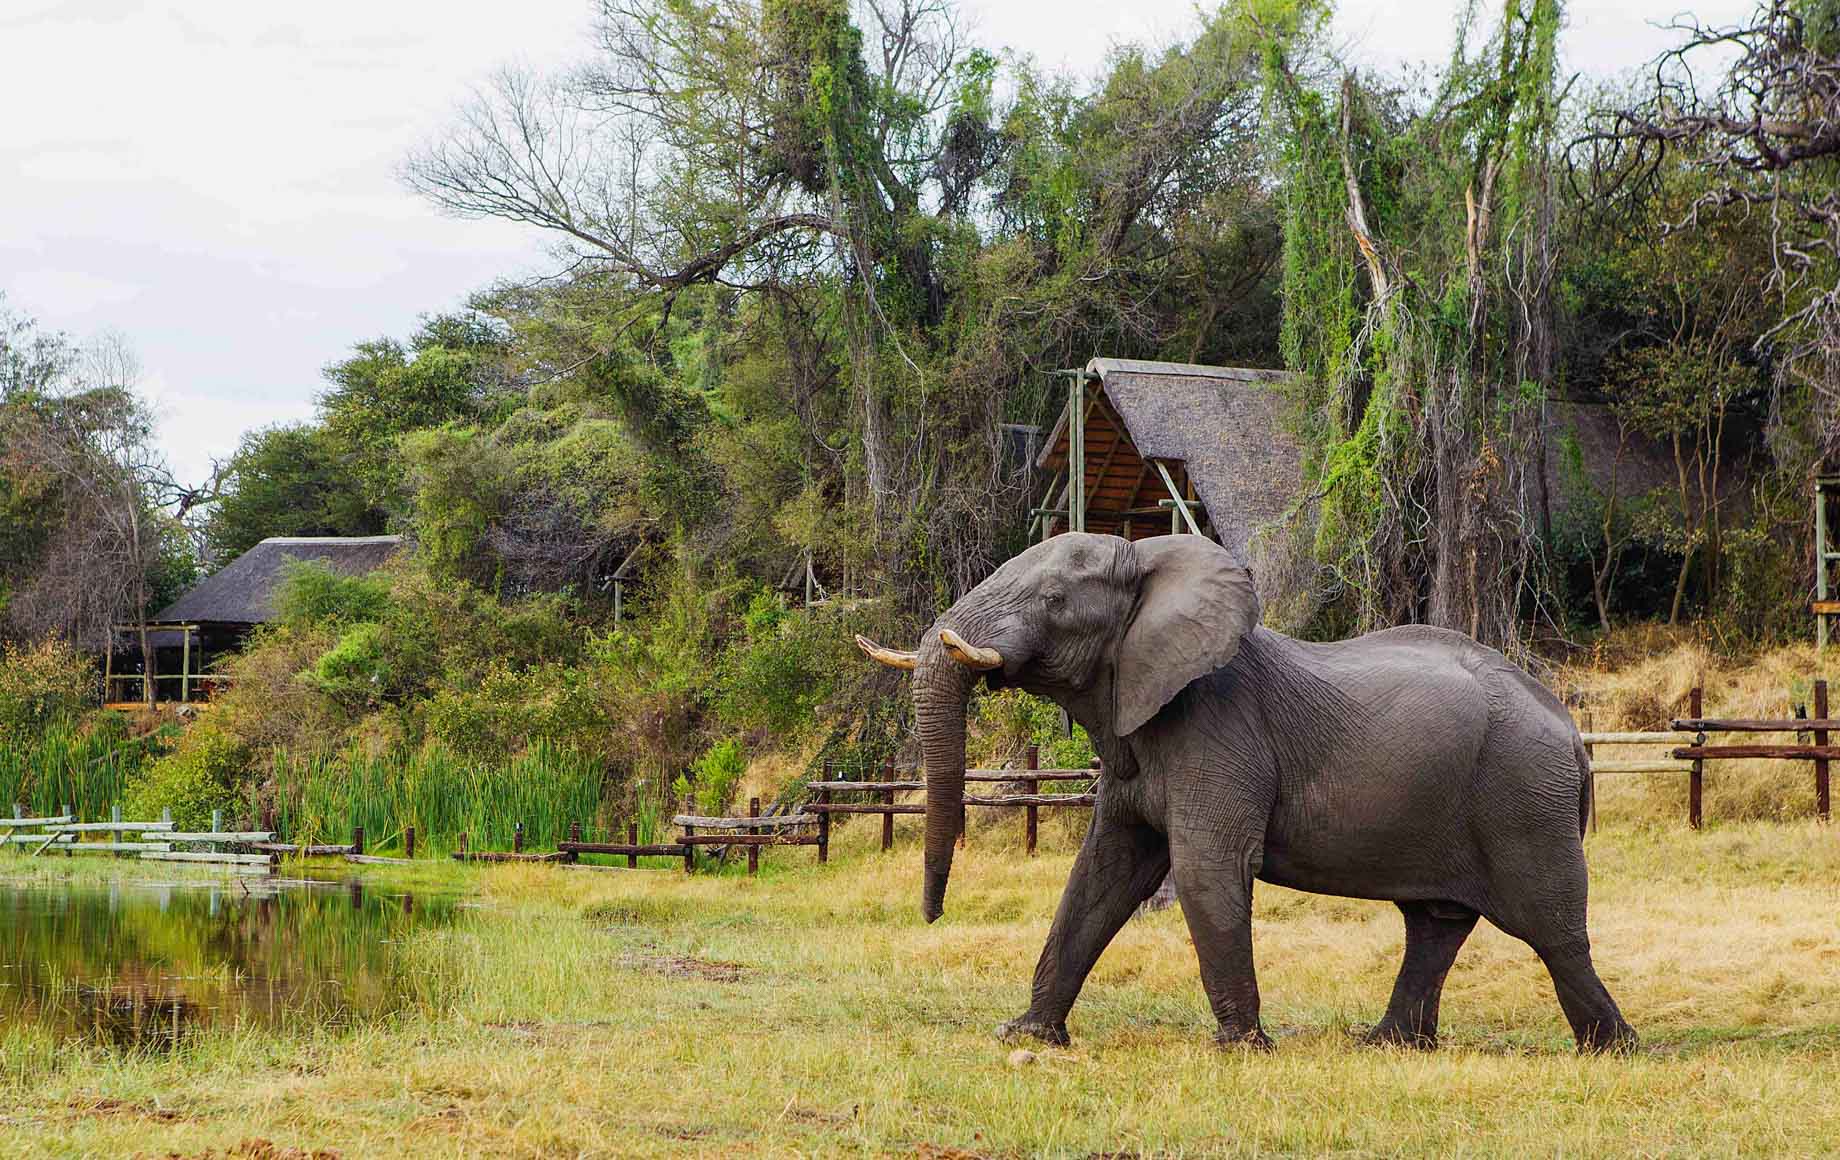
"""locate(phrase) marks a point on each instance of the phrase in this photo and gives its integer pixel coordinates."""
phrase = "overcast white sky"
(215, 179)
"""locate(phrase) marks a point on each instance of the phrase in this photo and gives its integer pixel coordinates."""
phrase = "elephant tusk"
(890, 657)
(969, 655)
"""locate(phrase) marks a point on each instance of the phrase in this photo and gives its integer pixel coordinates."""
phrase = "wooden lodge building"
(218, 614)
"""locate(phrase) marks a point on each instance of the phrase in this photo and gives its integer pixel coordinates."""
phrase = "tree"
(1767, 137)
(1418, 305)
(288, 480)
(844, 179)
(453, 369)
(87, 442)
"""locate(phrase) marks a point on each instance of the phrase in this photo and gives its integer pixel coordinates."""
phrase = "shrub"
(311, 593)
(1004, 722)
(715, 776)
(356, 671)
(786, 667)
(199, 776)
(42, 685)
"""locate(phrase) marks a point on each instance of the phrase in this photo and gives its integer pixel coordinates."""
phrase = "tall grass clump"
(320, 798)
(86, 767)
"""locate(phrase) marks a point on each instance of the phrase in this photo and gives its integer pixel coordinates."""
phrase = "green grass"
(811, 1011)
(70, 766)
(441, 795)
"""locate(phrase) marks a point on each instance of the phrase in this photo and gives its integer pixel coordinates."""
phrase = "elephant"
(1411, 765)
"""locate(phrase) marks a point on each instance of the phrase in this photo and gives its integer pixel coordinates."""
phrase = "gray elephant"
(1412, 765)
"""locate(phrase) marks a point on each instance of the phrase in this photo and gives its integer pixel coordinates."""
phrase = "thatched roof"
(242, 591)
(1220, 430)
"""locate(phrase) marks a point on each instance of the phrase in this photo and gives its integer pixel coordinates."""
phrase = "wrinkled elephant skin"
(1411, 765)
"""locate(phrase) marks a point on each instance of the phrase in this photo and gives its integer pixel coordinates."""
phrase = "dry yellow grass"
(811, 1012)
(1641, 678)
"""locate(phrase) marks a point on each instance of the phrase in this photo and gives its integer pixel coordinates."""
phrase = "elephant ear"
(1195, 602)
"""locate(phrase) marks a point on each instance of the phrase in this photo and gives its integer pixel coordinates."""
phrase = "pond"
(141, 965)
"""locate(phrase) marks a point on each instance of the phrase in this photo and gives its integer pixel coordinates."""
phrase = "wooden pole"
(409, 842)
(753, 851)
(108, 669)
(1032, 813)
(824, 819)
(517, 838)
(1820, 564)
(887, 797)
(689, 850)
(357, 839)
(1820, 763)
(185, 665)
(1696, 780)
(462, 841)
(632, 839)
(574, 836)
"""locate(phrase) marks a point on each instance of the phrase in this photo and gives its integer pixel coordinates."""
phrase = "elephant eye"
(1056, 599)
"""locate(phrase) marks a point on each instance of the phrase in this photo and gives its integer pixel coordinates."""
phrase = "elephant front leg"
(1214, 881)
(1119, 865)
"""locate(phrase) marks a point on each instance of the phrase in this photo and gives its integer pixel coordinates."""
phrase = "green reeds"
(67, 765)
(320, 799)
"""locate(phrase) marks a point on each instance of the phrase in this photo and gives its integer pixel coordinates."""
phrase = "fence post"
(824, 820)
(517, 838)
(689, 832)
(409, 842)
(462, 849)
(574, 836)
(1032, 759)
(1696, 780)
(70, 813)
(1590, 761)
(632, 839)
(754, 847)
(1820, 763)
(115, 835)
(887, 797)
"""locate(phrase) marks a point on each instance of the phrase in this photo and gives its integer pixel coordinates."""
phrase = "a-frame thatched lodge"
(217, 614)
(1149, 448)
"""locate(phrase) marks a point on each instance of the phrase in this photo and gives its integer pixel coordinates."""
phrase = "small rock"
(1022, 1057)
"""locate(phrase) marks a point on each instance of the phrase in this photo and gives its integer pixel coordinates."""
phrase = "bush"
(1005, 722)
(786, 667)
(311, 593)
(45, 684)
(715, 777)
(355, 672)
(199, 776)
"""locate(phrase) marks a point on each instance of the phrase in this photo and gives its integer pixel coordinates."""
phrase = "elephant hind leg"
(1597, 1023)
(1434, 934)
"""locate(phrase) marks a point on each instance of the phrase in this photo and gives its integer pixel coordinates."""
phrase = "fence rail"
(1688, 751)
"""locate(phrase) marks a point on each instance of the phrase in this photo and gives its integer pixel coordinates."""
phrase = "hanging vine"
(1417, 307)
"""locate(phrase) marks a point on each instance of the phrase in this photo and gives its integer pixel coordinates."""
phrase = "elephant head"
(1110, 629)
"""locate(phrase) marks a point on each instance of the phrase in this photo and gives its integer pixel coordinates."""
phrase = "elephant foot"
(1249, 1039)
(1608, 1039)
(1017, 1030)
(1389, 1034)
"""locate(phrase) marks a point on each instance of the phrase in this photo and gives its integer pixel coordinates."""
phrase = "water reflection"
(140, 966)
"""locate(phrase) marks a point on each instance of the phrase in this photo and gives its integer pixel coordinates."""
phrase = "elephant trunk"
(941, 688)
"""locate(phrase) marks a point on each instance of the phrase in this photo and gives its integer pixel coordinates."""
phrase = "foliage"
(715, 777)
(81, 764)
(1005, 722)
(310, 592)
(288, 480)
(203, 773)
(42, 685)
(322, 796)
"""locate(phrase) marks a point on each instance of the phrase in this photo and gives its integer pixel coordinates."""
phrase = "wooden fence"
(1031, 801)
(1688, 751)
(155, 843)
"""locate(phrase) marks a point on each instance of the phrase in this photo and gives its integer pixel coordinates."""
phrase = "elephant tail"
(1587, 784)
